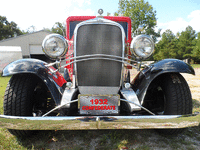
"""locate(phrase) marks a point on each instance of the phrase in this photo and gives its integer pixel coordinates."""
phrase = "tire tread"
(179, 99)
(18, 100)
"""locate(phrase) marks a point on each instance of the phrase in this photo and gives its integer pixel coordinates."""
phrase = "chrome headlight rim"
(52, 37)
(133, 47)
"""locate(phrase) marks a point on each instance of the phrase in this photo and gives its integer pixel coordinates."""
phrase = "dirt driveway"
(194, 83)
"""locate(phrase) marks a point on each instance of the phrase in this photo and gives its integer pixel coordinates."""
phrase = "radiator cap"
(100, 11)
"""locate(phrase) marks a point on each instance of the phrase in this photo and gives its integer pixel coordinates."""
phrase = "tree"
(116, 14)
(186, 43)
(196, 49)
(59, 28)
(8, 29)
(167, 46)
(141, 13)
(108, 14)
(31, 29)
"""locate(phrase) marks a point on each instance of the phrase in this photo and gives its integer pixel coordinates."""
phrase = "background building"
(30, 43)
(9, 54)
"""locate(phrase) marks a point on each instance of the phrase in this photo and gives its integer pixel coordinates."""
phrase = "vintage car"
(95, 90)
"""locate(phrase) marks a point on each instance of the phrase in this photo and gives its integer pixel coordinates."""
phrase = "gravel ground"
(194, 83)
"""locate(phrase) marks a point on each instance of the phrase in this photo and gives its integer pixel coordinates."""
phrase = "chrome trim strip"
(100, 21)
(99, 122)
(74, 82)
(123, 62)
(85, 56)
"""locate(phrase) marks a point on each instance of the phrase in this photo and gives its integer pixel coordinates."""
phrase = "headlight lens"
(54, 46)
(142, 46)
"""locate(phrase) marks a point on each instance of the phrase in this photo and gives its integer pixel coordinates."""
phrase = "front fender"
(144, 78)
(54, 82)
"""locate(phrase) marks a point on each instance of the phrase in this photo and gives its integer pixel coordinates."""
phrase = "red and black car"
(96, 91)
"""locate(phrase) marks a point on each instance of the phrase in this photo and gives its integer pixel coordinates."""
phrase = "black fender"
(54, 82)
(144, 78)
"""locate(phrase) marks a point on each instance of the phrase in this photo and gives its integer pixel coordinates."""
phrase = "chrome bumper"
(99, 122)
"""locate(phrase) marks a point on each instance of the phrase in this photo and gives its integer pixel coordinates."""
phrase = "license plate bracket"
(98, 104)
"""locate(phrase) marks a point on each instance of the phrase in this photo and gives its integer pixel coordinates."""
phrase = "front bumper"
(99, 122)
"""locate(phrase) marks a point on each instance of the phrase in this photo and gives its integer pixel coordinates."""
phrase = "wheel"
(25, 95)
(170, 95)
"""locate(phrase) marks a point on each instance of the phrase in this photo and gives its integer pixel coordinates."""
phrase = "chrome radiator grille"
(99, 39)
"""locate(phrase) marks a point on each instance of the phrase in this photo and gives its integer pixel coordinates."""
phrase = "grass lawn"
(195, 66)
(7, 141)
(3, 84)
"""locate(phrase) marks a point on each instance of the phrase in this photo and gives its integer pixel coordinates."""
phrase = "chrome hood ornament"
(100, 12)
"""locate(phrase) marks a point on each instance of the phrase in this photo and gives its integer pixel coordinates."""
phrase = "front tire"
(23, 98)
(172, 96)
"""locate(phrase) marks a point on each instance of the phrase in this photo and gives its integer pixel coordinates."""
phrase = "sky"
(175, 15)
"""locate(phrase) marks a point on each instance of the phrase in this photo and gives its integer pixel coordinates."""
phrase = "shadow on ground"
(112, 139)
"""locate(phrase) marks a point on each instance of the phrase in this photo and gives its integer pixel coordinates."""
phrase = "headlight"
(54, 46)
(142, 46)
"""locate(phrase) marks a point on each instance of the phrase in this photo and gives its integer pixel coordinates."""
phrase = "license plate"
(98, 104)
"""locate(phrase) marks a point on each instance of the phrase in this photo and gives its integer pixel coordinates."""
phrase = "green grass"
(196, 106)
(101, 139)
(196, 66)
(3, 84)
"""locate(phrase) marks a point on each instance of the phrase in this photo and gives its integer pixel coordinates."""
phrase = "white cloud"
(88, 2)
(82, 12)
(81, 2)
(42, 13)
(180, 24)
(37, 13)
(195, 20)
(75, 2)
(175, 26)
(194, 14)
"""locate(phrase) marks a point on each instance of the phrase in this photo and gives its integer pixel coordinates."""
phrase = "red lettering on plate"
(101, 101)
(98, 108)
(92, 101)
(96, 101)
(105, 102)
(91, 107)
